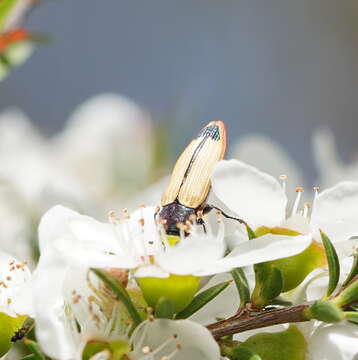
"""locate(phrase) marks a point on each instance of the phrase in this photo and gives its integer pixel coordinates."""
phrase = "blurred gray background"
(278, 67)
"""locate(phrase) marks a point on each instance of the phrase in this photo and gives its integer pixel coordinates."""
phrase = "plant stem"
(248, 319)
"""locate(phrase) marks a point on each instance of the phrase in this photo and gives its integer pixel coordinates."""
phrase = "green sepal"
(333, 263)
(354, 270)
(348, 295)
(35, 349)
(202, 299)
(8, 327)
(180, 289)
(242, 285)
(289, 344)
(164, 309)
(121, 293)
(325, 311)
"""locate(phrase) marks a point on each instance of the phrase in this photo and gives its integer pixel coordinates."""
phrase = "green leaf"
(348, 295)
(333, 263)
(351, 316)
(164, 309)
(35, 349)
(242, 353)
(121, 293)
(242, 285)
(29, 357)
(325, 311)
(5, 8)
(354, 270)
(202, 299)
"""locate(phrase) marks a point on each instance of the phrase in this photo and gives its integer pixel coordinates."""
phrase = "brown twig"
(248, 320)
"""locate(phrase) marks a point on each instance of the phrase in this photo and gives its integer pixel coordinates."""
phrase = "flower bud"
(325, 311)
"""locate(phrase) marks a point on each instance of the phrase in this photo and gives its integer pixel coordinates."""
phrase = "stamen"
(283, 179)
(316, 191)
(112, 217)
(299, 191)
(305, 209)
(164, 344)
(172, 354)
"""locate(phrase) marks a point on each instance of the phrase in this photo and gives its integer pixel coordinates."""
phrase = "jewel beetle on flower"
(189, 185)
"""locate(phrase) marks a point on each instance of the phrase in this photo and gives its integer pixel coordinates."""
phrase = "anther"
(146, 349)
(299, 191)
(283, 178)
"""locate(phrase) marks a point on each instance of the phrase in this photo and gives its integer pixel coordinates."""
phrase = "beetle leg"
(208, 208)
(200, 221)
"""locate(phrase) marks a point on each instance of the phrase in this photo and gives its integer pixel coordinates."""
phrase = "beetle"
(189, 185)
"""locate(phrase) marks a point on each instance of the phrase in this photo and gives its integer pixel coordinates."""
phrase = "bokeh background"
(277, 67)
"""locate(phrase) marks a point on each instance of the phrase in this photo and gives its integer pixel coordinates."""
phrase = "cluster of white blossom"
(122, 288)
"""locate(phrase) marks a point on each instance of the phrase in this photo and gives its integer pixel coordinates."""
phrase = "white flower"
(14, 278)
(331, 168)
(276, 162)
(334, 342)
(177, 340)
(260, 200)
(79, 310)
(138, 242)
(111, 135)
(38, 172)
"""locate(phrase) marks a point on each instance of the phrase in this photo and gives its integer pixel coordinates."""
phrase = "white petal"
(334, 342)
(265, 248)
(191, 255)
(222, 306)
(54, 224)
(254, 196)
(151, 271)
(275, 161)
(93, 233)
(331, 169)
(336, 211)
(195, 340)
(298, 223)
(48, 280)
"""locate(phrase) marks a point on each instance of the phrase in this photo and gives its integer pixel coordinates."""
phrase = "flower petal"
(336, 212)
(275, 162)
(191, 255)
(254, 196)
(47, 283)
(334, 342)
(265, 248)
(194, 340)
(222, 306)
(54, 224)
